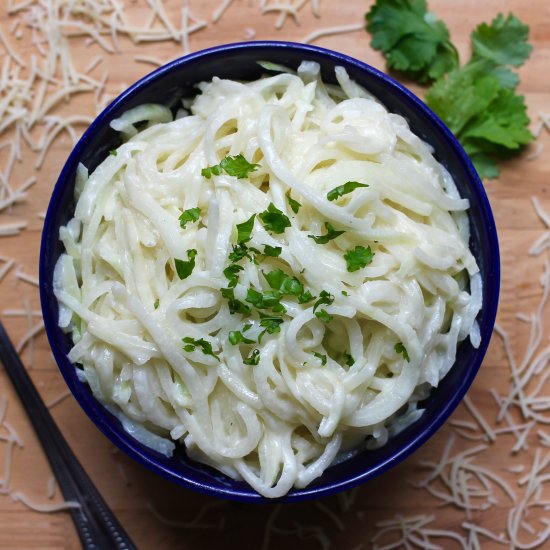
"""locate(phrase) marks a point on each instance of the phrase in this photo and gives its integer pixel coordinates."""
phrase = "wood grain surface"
(130, 489)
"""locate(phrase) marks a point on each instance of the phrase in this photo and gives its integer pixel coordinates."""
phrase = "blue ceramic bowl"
(168, 85)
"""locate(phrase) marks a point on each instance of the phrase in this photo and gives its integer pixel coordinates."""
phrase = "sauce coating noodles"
(274, 348)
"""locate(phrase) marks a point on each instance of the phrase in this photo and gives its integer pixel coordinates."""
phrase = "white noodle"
(282, 422)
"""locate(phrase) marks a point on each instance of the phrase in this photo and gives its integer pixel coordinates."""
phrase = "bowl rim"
(96, 411)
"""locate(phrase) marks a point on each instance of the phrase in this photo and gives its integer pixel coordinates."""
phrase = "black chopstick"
(95, 523)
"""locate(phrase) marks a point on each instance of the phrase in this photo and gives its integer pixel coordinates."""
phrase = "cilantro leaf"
(504, 41)
(236, 166)
(358, 257)
(253, 358)
(231, 274)
(279, 280)
(244, 230)
(324, 315)
(412, 39)
(235, 306)
(236, 337)
(400, 348)
(272, 251)
(294, 205)
(274, 220)
(321, 357)
(185, 268)
(305, 297)
(331, 234)
(341, 190)
(239, 252)
(324, 298)
(488, 118)
(189, 216)
(206, 347)
(270, 323)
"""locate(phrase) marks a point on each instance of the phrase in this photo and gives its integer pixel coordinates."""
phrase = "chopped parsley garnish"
(348, 359)
(341, 190)
(235, 306)
(244, 230)
(236, 166)
(272, 251)
(206, 347)
(358, 257)
(113, 152)
(274, 220)
(321, 357)
(241, 251)
(271, 299)
(246, 327)
(189, 216)
(324, 315)
(231, 273)
(331, 234)
(185, 268)
(294, 205)
(156, 304)
(324, 298)
(345, 293)
(271, 324)
(253, 358)
(236, 337)
(279, 281)
(400, 348)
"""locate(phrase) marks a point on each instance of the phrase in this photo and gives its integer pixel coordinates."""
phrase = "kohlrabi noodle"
(268, 353)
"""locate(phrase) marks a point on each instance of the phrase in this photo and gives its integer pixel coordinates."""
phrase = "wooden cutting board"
(130, 489)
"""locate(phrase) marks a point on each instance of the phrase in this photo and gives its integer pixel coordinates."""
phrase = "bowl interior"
(168, 85)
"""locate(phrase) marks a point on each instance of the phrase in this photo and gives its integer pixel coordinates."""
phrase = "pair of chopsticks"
(95, 523)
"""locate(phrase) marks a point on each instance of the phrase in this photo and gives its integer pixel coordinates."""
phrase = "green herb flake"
(274, 220)
(348, 359)
(113, 152)
(244, 230)
(236, 166)
(324, 298)
(400, 348)
(271, 299)
(206, 347)
(272, 251)
(321, 357)
(190, 215)
(342, 190)
(253, 358)
(331, 234)
(246, 327)
(412, 39)
(236, 337)
(345, 293)
(272, 324)
(294, 205)
(358, 257)
(185, 268)
(156, 304)
(235, 306)
(231, 273)
(324, 315)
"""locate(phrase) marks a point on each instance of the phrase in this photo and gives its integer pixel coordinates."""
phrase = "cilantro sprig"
(253, 358)
(478, 101)
(236, 166)
(413, 40)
